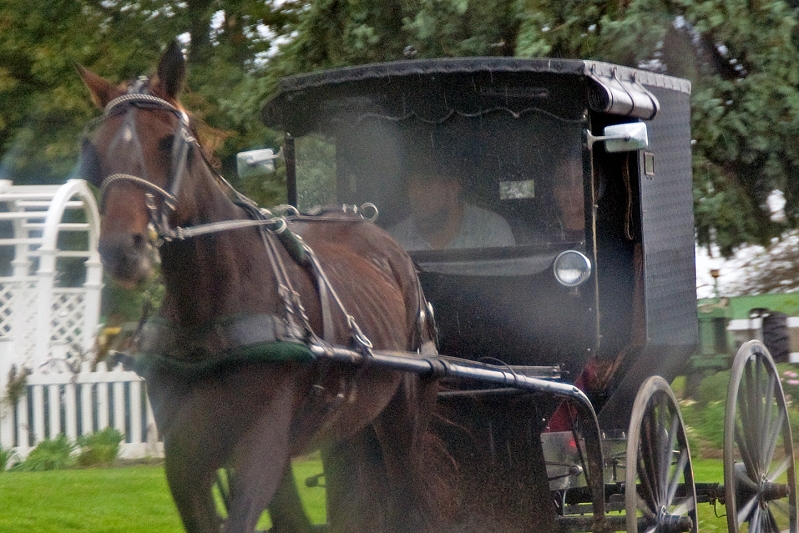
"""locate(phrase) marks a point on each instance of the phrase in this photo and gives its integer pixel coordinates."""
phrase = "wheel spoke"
(756, 523)
(646, 511)
(677, 476)
(779, 510)
(771, 522)
(648, 496)
(667, 452)
(772, 438)
(743, 448)
(743, 512)
(767, 422)
(686, 506)
(782, 467)
(649, 472)
(750, 408)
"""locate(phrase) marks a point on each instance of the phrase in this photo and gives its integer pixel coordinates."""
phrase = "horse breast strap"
(201, 349)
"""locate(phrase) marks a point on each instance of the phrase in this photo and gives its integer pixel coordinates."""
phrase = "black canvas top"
(434, 89)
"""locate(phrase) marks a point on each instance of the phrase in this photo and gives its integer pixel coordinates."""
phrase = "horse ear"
(102, 90)
(172, 70)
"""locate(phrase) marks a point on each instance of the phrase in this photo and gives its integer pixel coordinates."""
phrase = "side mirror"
(622, 137)
(256, 162)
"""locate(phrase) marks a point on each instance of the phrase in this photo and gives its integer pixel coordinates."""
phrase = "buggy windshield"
(495, 192)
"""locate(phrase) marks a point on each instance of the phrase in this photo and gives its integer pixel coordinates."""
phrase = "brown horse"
(233, 364)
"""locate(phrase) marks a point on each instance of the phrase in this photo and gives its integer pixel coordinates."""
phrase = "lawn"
(136, 499)
(107, 500)
(710, 471)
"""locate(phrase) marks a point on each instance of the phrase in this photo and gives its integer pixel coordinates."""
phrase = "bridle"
(183, 141)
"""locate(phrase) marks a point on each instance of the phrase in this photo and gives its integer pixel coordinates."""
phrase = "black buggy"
(558, 345)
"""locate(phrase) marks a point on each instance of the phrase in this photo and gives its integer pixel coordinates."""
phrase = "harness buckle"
(358, 335)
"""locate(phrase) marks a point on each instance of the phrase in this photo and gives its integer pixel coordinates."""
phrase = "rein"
(160, 339)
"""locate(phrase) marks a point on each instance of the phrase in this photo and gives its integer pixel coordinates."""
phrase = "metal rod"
(442, 367)
(289, 158)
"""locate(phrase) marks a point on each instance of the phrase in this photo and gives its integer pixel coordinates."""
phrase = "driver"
(441, 218)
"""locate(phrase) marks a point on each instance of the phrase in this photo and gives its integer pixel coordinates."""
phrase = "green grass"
(129, 500)
(136, 499)
(132, 499)
(710, 471)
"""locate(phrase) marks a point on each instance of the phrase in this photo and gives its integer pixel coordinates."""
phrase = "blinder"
(90, 163)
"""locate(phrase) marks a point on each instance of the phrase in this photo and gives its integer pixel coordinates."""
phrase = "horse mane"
(209, 138)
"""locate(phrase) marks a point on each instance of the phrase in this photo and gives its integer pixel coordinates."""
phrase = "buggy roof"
(434, 89)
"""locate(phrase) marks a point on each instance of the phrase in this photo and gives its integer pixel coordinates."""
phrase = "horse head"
(137, 155)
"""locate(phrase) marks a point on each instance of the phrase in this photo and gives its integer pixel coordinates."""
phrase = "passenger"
(569, 197)
(441, 219)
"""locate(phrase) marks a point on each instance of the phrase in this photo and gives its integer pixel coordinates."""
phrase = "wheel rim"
(658, 464)
(759, 478)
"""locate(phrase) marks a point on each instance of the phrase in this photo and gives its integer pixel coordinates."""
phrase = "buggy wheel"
(759, 479)
(659, 487)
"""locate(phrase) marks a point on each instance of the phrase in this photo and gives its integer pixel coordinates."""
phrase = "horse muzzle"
(128, 257)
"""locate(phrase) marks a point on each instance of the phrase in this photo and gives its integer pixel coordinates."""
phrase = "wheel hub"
(672, 523)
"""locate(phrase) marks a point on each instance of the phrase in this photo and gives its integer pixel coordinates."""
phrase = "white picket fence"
(60, 401)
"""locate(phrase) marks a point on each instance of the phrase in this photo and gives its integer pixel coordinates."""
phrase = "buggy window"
(457, 192)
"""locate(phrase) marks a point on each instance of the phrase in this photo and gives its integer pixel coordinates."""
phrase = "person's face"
(432, 200)
(569, 194)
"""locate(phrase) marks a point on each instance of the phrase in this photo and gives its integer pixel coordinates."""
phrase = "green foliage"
(704, 414)
(713, 388)
(705, 427)
(17, 383)
(49, 454)
(741, 58)
(7, 458)
(120, 304)
(99, 448)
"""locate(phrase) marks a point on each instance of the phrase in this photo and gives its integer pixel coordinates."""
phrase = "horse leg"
(355, 485)
(400, 429)
(260, 461)
(286, 510)
(190, 481)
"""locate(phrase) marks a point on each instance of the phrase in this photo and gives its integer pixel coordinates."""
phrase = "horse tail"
(440, 482)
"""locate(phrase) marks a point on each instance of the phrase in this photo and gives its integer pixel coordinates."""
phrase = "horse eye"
(165, 144)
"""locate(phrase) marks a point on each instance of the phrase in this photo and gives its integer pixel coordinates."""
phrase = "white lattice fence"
(67, 325)
(62, 402)
(18, 313)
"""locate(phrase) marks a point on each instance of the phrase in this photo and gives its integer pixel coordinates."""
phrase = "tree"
(763, 269)
(44, 107)
(741, 57)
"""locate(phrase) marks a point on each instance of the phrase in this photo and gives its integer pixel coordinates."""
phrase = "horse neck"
(219, 274)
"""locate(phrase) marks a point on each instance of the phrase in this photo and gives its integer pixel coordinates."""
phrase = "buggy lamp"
(256, 163)
(571, 268)
(622, 137)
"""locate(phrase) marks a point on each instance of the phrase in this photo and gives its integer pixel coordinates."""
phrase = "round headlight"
(571, 268)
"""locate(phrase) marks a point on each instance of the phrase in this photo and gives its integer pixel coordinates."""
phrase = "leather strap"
(207, 341)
